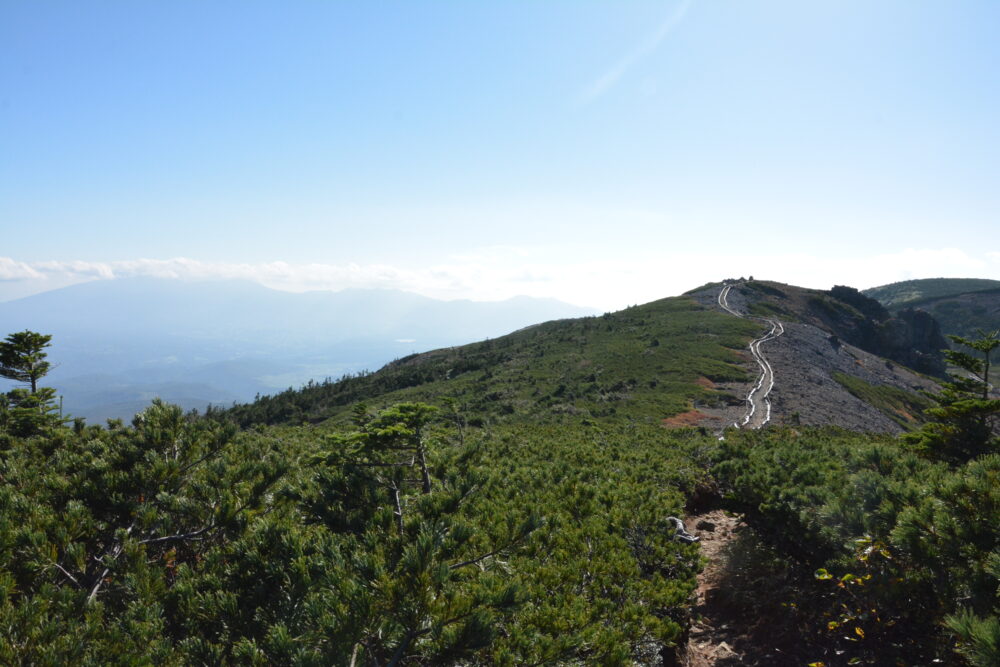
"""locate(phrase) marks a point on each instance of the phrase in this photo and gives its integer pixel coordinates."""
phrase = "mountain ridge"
(530, 454)
(680, 360)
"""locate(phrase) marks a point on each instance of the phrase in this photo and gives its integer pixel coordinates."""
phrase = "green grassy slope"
(903, 407)
(643, 362)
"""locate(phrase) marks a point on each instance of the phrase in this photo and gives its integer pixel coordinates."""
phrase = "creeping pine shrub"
(907, 545)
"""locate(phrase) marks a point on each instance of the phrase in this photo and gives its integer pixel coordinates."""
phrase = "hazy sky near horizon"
(603, 153)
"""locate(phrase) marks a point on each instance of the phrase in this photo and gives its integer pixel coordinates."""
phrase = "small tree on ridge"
(964, 425)
(25, 412)
(22, 358)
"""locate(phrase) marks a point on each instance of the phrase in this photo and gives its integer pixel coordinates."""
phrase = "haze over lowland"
(120, 343)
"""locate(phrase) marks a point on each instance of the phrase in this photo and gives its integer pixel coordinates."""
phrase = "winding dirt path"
(715, 634)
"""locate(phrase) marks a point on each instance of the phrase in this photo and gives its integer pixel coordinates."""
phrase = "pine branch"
(180, 536)
(113, 552)
(69, 576)
(473, 561)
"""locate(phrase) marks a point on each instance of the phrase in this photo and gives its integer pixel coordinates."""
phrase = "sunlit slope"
(651, 361)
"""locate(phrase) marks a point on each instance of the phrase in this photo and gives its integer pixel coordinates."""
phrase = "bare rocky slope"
(820, 378)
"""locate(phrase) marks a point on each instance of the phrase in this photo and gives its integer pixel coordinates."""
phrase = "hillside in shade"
(961, 306)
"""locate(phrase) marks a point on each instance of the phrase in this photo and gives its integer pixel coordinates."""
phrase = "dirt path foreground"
(713, 634)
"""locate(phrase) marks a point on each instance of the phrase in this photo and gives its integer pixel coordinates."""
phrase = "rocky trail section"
(712, 636)
(715, 635)
(735, 625)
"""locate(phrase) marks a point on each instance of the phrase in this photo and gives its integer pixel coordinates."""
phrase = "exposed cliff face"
(962, 306)
(867, 306)
(911, 337)
(964, 314)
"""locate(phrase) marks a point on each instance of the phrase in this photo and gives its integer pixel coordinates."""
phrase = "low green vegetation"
(903, 407)
(407, 535)
(640, 363)
(902, 532)
(181, 541)
(909, 540)
(764, 309)
(505, 503)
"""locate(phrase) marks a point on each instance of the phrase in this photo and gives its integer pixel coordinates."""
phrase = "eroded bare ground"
(713, 634)
(744, 613)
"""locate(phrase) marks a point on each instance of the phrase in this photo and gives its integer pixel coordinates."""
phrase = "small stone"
(705, 525)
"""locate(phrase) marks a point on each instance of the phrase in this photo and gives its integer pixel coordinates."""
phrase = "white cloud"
(14, 270)
(502, 272)
(84, 270)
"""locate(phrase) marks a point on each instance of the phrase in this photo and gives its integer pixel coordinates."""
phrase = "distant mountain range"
(119, 343)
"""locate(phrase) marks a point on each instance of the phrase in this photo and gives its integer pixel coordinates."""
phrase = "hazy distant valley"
(117, 344)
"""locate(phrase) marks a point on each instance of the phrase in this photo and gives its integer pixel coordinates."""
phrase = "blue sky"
(602, 153)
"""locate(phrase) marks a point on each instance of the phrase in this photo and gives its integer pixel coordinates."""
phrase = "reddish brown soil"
(685, 419)
(705, 382)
